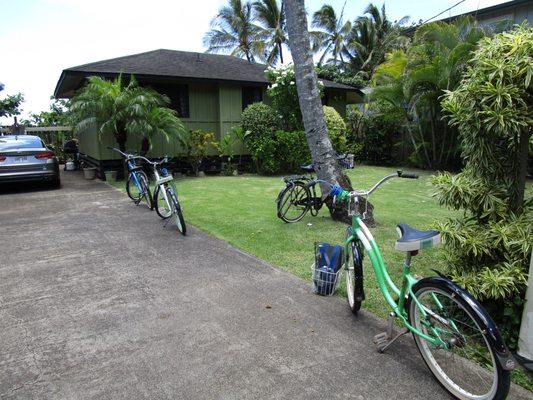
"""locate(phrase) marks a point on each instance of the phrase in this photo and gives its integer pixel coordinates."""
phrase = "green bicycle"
(456, 337)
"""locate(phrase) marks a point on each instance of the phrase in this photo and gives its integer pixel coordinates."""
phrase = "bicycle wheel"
(354, 277)
(468, 367)
(178, 214)
(293, 202)
(163, 208)
(133, 191)
(146, 190)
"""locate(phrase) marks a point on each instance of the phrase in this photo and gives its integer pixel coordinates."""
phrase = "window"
(178, 95)
(251, 95)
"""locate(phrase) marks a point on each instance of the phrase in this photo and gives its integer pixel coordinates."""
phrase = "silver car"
(26, 158)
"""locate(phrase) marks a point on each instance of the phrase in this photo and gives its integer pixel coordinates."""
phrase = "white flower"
(275, 85)
(291, 83)
(321, 83)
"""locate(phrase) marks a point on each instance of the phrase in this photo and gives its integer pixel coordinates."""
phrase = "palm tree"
(373, 36)
(331, 38)
(322, 152)
(414, 81)
(121, 109)
(233, 31)
(272, 19)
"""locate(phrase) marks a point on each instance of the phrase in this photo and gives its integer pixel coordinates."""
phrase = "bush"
(336, 129)
(489, 247)
(292, 150)
(198, 142)
(375, 136)
(260, 122)
(260, 119)
(282, 90)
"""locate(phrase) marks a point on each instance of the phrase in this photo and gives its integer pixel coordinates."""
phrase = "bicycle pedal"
(381, 338)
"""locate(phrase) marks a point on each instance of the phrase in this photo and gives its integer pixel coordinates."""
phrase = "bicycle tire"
(179, 220)
(354, 277)
(130, 186)
(464, 371)
(161, 211)
(288, 196)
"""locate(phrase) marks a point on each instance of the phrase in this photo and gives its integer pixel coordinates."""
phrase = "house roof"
(172, 64)
(497, 9)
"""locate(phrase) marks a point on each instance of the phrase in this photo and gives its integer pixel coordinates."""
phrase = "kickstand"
(385, 339)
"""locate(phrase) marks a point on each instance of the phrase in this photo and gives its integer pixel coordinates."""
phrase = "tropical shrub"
(414, 80)
(376, 135)
(291, 150)
(259, 123)
(488, 248)
(284, 95)
(121, 109)
(198, 144)
(336, 129)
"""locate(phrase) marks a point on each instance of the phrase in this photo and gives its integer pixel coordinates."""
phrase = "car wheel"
(56, 183)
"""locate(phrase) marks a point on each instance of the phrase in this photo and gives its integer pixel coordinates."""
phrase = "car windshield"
(20, 143)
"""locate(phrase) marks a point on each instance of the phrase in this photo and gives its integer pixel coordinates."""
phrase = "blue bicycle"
(137, 185)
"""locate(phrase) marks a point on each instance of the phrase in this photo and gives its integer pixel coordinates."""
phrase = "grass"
(241, 210)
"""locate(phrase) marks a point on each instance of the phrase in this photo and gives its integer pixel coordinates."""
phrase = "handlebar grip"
(407, 175)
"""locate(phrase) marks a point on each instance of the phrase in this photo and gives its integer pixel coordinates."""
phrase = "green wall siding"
(212, 107)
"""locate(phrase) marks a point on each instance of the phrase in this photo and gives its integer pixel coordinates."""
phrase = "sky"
(40, 38)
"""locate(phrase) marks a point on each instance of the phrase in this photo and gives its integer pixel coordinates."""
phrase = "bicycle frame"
(162, 187)
(361, 233)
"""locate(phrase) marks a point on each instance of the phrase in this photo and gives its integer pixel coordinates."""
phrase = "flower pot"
(70, 166)
(110, 176)
(89, 173)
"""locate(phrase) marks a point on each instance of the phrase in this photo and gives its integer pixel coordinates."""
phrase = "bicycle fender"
(481, 316)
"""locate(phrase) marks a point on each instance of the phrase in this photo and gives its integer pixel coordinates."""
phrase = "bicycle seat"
(308, 167)
(412, 239)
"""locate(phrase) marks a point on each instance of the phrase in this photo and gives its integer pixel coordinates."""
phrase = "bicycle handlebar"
(154, 163)
(339, 193)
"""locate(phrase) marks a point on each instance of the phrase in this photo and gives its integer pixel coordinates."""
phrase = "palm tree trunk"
(326, 165)
(280, 45)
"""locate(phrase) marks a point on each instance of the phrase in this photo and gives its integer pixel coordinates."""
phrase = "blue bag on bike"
(328, 262)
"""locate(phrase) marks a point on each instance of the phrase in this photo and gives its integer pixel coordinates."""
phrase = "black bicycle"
(300, 194)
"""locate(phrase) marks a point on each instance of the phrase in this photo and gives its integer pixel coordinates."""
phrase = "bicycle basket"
(327, 268)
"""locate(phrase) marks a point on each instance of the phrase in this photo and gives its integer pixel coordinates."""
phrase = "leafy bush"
(374, 136)
(336, 129)
(284, 95)
(198, 143)
(292, 150)
(260, 119)
(260, 122)
(488, 249)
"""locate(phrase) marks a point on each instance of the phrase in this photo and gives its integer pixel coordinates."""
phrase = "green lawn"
(242, 211)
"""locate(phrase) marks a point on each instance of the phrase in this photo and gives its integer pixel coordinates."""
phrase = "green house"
(208, 92)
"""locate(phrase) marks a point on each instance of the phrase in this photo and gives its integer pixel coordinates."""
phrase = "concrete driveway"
(99, 301)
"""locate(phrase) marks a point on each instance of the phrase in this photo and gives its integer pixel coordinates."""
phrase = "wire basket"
(325, 280)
